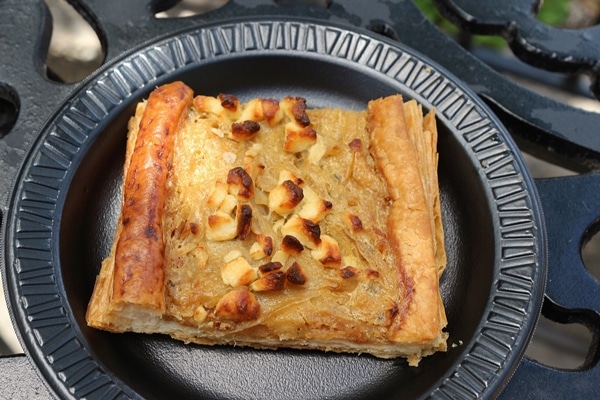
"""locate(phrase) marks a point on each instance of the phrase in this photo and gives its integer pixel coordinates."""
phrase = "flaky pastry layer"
(267, 224)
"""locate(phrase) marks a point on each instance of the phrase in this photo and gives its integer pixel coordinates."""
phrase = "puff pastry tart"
(271, 225)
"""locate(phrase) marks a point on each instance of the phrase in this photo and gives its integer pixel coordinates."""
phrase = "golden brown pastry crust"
(138, 277)
(397, 142)
(279, 227)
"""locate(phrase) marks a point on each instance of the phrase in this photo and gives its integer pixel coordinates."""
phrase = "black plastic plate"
(65, 204)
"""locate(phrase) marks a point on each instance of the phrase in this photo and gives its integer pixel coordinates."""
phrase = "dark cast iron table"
(543, 127)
